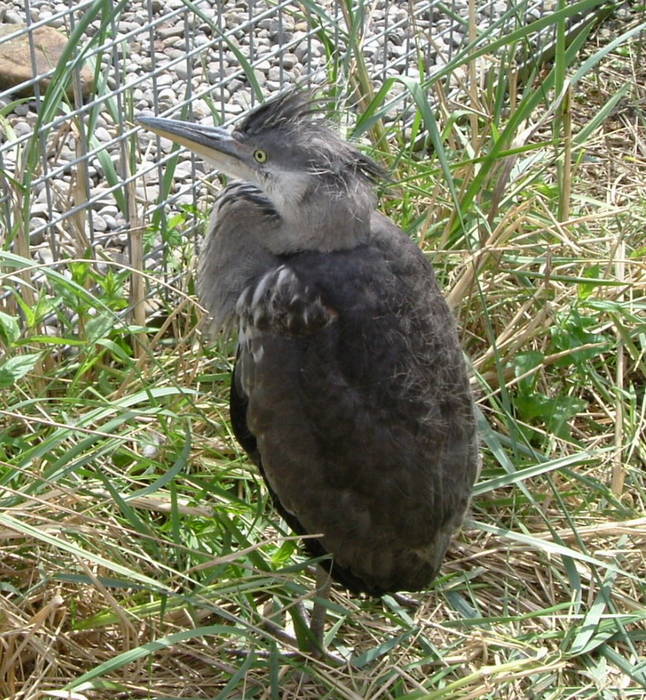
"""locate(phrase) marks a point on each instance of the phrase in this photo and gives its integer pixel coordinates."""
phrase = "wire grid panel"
(75, 171)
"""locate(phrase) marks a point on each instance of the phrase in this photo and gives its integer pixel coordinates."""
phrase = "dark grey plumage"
(349, 391)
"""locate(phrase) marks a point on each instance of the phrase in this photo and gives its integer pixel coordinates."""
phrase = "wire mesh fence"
(77, 175)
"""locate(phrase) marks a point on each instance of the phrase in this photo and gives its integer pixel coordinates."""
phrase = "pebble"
(200, 108)
(233, 108)
(261, 76)
(289, 60)
(262, 66)
(172, 53)
(37, 230)
(107, 209)
(183, 170)
(111, 222)
(181, 70)
(150, 193)
(164, 79)
(102, 134)
(165, 31)
(22, 129)
(13, 17)
(167, 95)
(44, 254)
(98, 222)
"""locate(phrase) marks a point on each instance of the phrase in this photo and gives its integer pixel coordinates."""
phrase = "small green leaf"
(100, 326)
(585, 289)
(9, 328)
(573, 331)
(284, 553)
(16, 368)
(524, 362)
(564, 408)
(367, 657)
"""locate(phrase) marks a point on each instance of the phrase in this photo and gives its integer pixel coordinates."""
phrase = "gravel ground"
(159, 60)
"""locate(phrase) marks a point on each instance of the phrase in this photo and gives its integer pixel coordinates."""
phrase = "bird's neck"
(234, 253)
(320, 217)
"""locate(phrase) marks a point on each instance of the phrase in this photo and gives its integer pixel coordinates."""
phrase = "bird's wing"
(281, 302)
(351, 387)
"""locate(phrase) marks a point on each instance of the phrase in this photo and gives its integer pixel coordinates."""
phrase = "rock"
(98, 222)
(22, 129)
(164, 80)
(183, 170)
(12, 17)
(233, 108)
(166, 145)
(102, 134)
(15, 58)
(181, 70)
(50, 330)
(262, 66)
(110, 222)
(37, 230)
(167, 31)
(44, 255)
(21, 110)
(108, 210)
(166, 95)
(269, 23)
(200, 108)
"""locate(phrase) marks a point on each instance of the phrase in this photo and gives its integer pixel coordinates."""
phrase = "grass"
(141, 557)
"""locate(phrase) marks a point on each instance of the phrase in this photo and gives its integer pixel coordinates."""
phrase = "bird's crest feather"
(286, 110)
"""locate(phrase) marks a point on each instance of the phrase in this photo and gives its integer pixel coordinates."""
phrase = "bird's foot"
(406, 601)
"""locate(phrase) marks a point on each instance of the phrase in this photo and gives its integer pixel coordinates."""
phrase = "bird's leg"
(299, 616)
(317, 620)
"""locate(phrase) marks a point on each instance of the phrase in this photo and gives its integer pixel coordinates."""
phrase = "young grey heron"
(349, 391)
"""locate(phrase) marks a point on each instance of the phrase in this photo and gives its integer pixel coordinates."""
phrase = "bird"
(350, 390)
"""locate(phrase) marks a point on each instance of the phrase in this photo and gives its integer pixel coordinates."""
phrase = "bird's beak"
(212, 142)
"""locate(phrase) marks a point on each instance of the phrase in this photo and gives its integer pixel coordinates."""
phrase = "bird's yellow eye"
(260, 155)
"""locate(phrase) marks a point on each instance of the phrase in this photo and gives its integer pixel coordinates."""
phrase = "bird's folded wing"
(281, 302)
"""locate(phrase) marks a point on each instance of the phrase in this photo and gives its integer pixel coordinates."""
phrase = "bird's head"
(309, 173)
